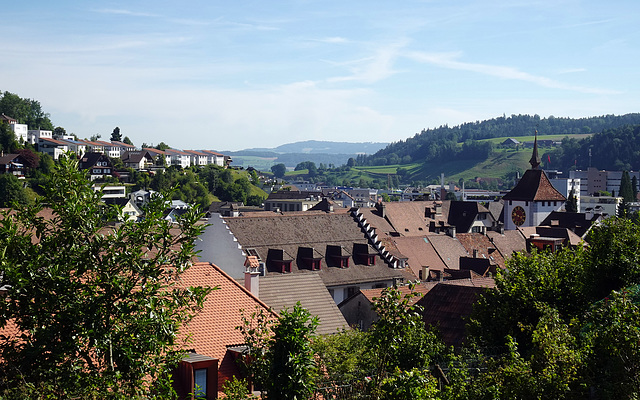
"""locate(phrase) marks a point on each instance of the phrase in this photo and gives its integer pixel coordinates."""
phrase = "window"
(200, 383)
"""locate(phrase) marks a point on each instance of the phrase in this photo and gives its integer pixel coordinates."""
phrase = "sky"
(231, 75)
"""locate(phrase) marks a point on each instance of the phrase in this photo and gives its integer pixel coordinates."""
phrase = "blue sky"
(237, 74)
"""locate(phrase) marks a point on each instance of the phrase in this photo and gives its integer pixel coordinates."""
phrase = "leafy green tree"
(612, 332)
(626, 188)
(279, 170)
(398, 339)
(97, 306)
(116, 136)
(162, 146)
(343, 356)
(614, 260)
(8, 142)
(280, 357)
(59, 131)
(292, 366)
(556, 280)
(11, 191)
(26, 111)
(127, 141)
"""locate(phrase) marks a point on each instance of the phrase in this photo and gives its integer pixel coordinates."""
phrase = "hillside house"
(12, 164)
(98, 164)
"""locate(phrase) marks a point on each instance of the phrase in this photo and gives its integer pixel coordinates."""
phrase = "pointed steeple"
(535, 158)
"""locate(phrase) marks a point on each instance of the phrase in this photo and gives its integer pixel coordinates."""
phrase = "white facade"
(566, 185)
(21, 131)
(600, 205)
(34, 135)
(534, 212)
(594, 180)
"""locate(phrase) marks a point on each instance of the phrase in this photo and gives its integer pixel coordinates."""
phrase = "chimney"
(425, 273)
(251, 275)
(475, 253)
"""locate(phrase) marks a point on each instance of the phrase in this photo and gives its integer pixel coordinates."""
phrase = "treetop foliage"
(25, 111)
(97, 307)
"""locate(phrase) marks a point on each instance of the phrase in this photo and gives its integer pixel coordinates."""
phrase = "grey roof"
(289, 233)
(284, 291)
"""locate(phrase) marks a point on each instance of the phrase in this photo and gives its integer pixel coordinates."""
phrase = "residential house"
(197, 157)
(358, 309)
(12, 164)
(34, 135)
(140, 160)
(178, 157)
(93, 146)
(123, 147)
(20, 130)
(130, 209)
(54, 148)
(212, 334)
(215, 158)
(142, 197)
(331, 243)
(76, 146)
(98, 164)
(578, 223)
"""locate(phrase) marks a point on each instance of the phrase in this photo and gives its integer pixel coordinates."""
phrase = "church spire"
(535, 158)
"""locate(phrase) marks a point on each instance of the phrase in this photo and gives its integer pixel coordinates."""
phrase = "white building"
(566, 186)
(34, 135)
(533, 198)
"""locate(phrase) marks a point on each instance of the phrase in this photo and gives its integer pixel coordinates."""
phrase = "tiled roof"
(534, 186)
(7, 158)
(576, 222)
(449, 249)
(483, 246)
(420, 252)
(569, 238)
(447, 304)
(421, 289)
(408, 217)
(461, 214)
(315, 230)
(154, 151)
(281, 291)
(509, 242)
(213, 328)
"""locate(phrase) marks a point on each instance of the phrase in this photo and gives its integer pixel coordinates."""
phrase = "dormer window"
(309, 259)
(361, 254)
(335, 257)
(276, 261)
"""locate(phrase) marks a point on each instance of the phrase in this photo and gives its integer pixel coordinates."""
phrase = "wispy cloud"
(449, 61)
(120, 11)
(333, 39)
(372, 69)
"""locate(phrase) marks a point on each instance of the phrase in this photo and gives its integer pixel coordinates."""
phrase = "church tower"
(533, 198)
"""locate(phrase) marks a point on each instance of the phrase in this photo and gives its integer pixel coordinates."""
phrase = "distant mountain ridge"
(321, 147)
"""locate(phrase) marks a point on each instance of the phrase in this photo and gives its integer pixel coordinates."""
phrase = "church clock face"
(518, 215)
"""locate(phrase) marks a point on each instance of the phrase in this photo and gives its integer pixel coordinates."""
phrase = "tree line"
(443, 142)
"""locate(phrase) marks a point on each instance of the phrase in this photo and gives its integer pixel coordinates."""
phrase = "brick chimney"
(251, 275)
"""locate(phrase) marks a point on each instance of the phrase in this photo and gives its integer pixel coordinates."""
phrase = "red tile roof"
(213, 328)
(534, 186)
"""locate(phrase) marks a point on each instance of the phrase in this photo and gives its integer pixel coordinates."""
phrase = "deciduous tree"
(97, 307)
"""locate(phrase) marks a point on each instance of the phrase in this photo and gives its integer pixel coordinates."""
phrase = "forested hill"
(444, 142)
(613, 149)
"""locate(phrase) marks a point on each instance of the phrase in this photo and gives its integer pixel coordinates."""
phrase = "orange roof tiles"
(214, 327)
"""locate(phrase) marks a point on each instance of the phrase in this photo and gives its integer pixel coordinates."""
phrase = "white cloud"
(449, 61)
